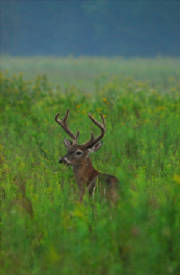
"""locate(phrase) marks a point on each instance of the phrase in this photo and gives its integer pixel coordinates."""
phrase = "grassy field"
(43, 227)
(89, 74)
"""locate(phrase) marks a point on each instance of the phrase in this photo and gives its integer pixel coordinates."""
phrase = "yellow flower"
(78, 106)
(173, 89)
(98, 109)
(176, 178)
(154, 91)
(160, 108)
(54, 257)
(83, 112)
(105, 99)
(171, 79)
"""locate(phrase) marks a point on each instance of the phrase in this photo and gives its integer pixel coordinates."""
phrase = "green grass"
(43, 227)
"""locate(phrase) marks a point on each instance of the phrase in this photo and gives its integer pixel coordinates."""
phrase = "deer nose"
(61, 160)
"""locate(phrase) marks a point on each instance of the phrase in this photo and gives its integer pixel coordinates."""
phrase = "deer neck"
(84, 172)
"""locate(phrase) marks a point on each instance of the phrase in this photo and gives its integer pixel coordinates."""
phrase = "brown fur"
(88, 178)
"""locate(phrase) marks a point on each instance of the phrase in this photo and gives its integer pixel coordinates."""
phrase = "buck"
(87, 177)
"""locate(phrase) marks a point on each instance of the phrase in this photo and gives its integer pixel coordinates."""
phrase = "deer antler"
(63, 124)
(93, 140)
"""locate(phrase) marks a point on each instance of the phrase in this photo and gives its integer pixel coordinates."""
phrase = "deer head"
(78, 153)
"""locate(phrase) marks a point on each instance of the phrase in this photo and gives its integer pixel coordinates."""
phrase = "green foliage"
(43, 227)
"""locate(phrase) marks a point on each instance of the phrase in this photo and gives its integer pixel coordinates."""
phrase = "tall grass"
(44, 229)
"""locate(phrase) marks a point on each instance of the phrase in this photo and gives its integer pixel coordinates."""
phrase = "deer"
(86, 176)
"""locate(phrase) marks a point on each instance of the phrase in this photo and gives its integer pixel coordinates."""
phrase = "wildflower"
(78, 106)
(173, 89)
(99, 109)
(176, 178)
(171, 79)
(83, 112)
(53, 255)
(160, 108)
(153, 91)
(105, 100)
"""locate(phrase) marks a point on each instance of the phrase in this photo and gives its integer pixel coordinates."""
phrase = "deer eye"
(78, 153)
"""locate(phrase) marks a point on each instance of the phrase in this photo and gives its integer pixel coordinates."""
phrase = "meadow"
(44, 229)
(90, 73)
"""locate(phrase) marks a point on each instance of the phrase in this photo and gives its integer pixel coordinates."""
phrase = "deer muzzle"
(61, 160)
(64, 160)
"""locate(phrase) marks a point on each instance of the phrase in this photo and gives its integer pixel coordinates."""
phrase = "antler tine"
(63, 124)
(101, 126)
(89, 142)
(93, 140)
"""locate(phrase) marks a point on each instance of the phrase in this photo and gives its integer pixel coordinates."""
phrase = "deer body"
(87, 177)
(90, 179)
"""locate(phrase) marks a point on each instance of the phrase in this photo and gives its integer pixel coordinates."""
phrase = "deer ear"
(67, 143)
(95, 147)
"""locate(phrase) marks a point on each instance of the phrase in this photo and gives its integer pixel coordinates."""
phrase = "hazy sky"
(96, 27)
